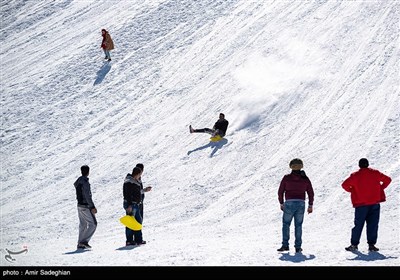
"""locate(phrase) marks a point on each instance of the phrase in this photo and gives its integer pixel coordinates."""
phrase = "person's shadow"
(213, 145)
(371, 256)
(297, 258)
(126, 248)
(102, 73)
(77, 251)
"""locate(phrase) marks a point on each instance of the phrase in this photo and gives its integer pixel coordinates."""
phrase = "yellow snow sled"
(216, 138)
(130, 222)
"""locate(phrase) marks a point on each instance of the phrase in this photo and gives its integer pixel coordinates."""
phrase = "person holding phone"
(143, 190)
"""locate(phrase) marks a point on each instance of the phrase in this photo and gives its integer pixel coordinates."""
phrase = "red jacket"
(295, 186)
(366, 186)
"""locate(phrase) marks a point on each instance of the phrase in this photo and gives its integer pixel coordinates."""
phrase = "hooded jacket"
(83, 192)
(132, 190)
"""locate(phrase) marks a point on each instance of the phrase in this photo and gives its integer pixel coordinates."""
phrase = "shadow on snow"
(213, 145)
(77, 251)
(102, 73)
(371, 256)
(126, 248)
(296, 258)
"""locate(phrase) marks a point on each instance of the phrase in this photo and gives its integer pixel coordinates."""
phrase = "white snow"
(317, 80)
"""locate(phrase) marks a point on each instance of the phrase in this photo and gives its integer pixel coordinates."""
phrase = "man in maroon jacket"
(293, 188)
(367, 191)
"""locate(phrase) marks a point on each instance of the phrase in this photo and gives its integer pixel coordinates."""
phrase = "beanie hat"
(363, 163)
(296, 164)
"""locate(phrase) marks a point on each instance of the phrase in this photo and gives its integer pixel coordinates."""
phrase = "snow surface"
(318, 80)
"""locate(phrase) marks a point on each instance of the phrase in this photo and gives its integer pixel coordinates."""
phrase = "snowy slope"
(318, 80)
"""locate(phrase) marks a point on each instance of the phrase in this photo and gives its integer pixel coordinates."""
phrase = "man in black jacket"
(132, 201)
(219, 128)
(86, 209)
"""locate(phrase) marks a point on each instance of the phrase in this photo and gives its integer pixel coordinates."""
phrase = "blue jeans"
(292, 209)
(366, 214)
(107, 53)
(129, 233)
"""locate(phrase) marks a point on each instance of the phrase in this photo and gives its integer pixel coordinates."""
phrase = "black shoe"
(109, 59)
(298, 250)
(373, 248)
(130, 243)
(191, 130)
(283, 248)
(140, 243)
(84, 245)
(352, 248)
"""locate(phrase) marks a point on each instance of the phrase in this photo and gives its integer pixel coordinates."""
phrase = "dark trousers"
(366, 214)
(204, 130)
(210, 131)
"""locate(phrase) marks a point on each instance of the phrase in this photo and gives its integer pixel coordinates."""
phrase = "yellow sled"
(130, 222)
(216, 138)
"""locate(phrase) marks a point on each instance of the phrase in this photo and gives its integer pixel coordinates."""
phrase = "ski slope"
(317, 80)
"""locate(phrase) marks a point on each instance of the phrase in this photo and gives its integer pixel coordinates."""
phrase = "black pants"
(366, 215)
(210, 131)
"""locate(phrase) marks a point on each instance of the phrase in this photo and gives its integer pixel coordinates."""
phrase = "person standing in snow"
(132, 200)
(107, 44)
(367, 188)
(219, 128)
(143, 190)
(293, 189)
(86, 209)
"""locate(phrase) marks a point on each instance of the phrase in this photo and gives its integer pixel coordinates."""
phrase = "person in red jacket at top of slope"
(367, 187)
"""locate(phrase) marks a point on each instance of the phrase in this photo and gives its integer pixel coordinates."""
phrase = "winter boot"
(352, 248)
(283, 248)
(373, 248)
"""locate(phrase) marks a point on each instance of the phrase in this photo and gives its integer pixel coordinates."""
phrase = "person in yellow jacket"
(107, 44)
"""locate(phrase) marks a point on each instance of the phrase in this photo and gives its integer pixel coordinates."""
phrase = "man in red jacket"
(367, 191)
(291, 195)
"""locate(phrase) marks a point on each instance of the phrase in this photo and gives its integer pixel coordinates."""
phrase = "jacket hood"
(130, 179)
